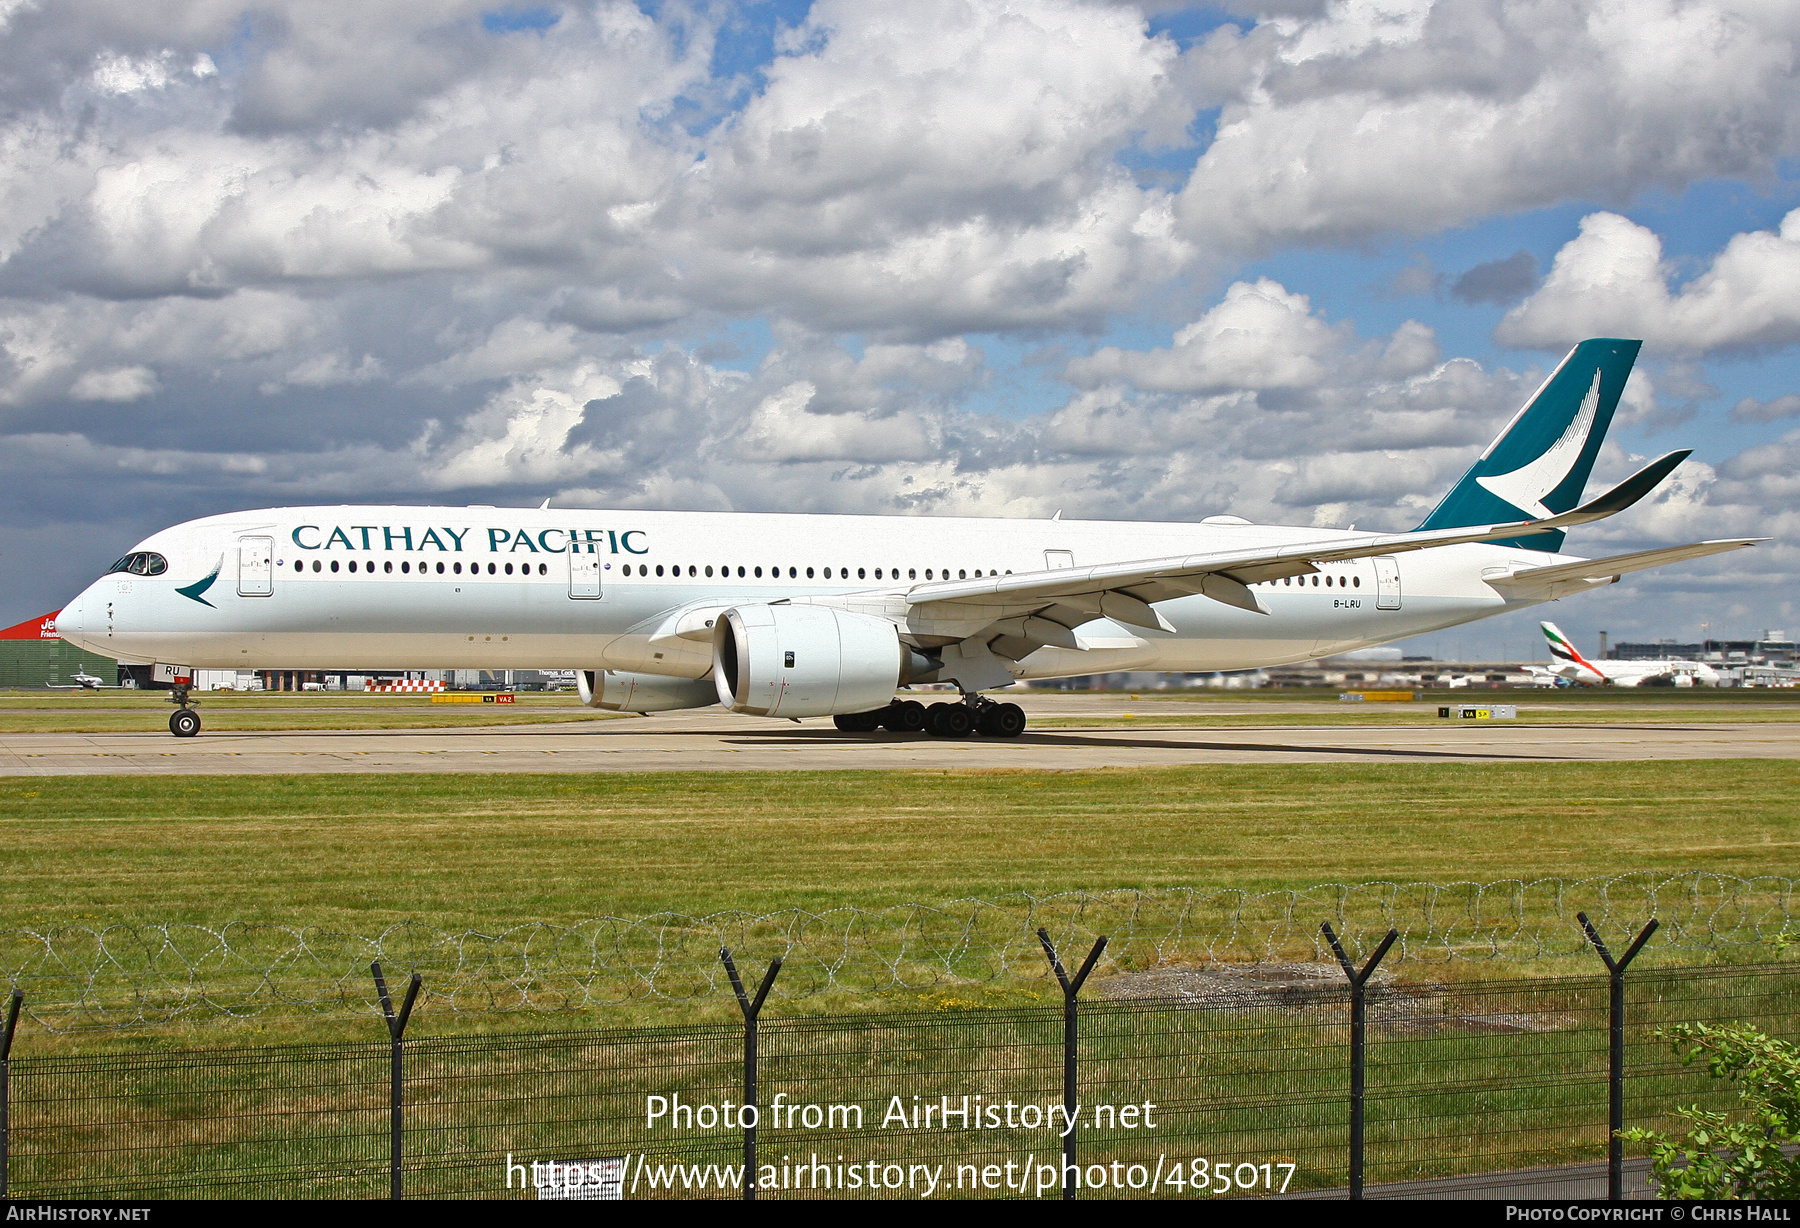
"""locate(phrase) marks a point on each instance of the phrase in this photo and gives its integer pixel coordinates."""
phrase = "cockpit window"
(141, 564)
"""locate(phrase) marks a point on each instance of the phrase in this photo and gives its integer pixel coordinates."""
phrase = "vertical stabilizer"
(1540, 463)
(1565, 653)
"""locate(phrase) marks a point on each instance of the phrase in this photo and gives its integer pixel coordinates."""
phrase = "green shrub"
(1739, 1155)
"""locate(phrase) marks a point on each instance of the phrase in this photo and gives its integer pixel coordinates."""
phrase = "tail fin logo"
(1562, 650)
(1526, 486)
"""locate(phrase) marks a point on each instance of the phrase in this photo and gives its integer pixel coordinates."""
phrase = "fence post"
(1615, 1065)
(396, 1100)
(752, 1012)
(1359, 1027)
(1070, 989)
(6, 1039)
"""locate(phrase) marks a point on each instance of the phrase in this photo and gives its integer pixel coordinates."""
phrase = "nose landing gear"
(184, 722)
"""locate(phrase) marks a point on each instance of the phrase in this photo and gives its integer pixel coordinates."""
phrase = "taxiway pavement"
(714, 741)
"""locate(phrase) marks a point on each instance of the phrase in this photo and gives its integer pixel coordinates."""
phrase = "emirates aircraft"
(1572, 668)
(791, 616)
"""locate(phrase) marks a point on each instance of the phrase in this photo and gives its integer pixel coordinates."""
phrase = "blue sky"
(960, 256)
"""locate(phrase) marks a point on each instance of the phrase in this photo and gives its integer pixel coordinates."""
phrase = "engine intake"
(802, 660)
(617, 691)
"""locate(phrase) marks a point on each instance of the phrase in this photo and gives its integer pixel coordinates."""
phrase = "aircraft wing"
(1547, 583)
(1124, 592)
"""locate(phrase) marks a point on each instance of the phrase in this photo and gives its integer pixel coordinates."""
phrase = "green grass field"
(359, 851)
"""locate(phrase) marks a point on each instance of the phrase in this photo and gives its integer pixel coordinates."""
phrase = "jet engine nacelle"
(618, 691)
(804, 660)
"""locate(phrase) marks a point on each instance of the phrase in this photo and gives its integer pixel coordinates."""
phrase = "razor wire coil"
(125, 975)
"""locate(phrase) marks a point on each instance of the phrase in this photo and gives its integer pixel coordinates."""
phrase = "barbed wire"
(130, 975)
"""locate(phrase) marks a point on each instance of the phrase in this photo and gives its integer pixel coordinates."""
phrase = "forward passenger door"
(584, 576)
(256, 568)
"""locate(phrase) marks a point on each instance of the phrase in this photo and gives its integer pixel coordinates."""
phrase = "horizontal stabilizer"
(1566, 578)
(1621, 496)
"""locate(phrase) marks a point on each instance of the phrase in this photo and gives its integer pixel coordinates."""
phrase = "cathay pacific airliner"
(790, 616)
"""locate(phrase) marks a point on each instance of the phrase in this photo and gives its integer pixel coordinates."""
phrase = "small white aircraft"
(1573, 668)
(790, 616)
(83, 681)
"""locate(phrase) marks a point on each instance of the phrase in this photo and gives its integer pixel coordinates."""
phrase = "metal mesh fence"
(1464, 1079)
(127, 975)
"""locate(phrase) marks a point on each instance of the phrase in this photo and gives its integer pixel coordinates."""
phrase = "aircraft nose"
(69, 617)
(71, 622)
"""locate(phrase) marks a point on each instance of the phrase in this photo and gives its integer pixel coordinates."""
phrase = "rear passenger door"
(1387, 582)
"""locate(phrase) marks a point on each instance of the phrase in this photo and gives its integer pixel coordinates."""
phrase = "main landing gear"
(184, 722)
(975, 714)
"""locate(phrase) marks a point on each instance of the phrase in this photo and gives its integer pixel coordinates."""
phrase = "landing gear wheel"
(184, 723)
(949, 721)
(904, 716)
(858, 722)
(1002, 721)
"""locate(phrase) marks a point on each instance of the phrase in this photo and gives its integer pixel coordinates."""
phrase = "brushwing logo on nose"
(193, 591)
(1526, 486)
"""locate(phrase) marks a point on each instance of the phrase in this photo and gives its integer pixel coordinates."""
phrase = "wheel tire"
(934, 720)
(904, 716)
(1004, 721)
(858, 722)
(184, 723)
(949, 721)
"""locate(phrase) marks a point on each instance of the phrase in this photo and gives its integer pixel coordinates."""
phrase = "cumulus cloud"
(1611, 280)
(1365, 117)
(1497, 281)
(441, 257)
(1751, 410)
(118, 384)
(1261, 336)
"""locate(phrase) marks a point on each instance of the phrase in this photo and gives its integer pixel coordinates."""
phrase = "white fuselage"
(1636, 673)
(499, 588)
